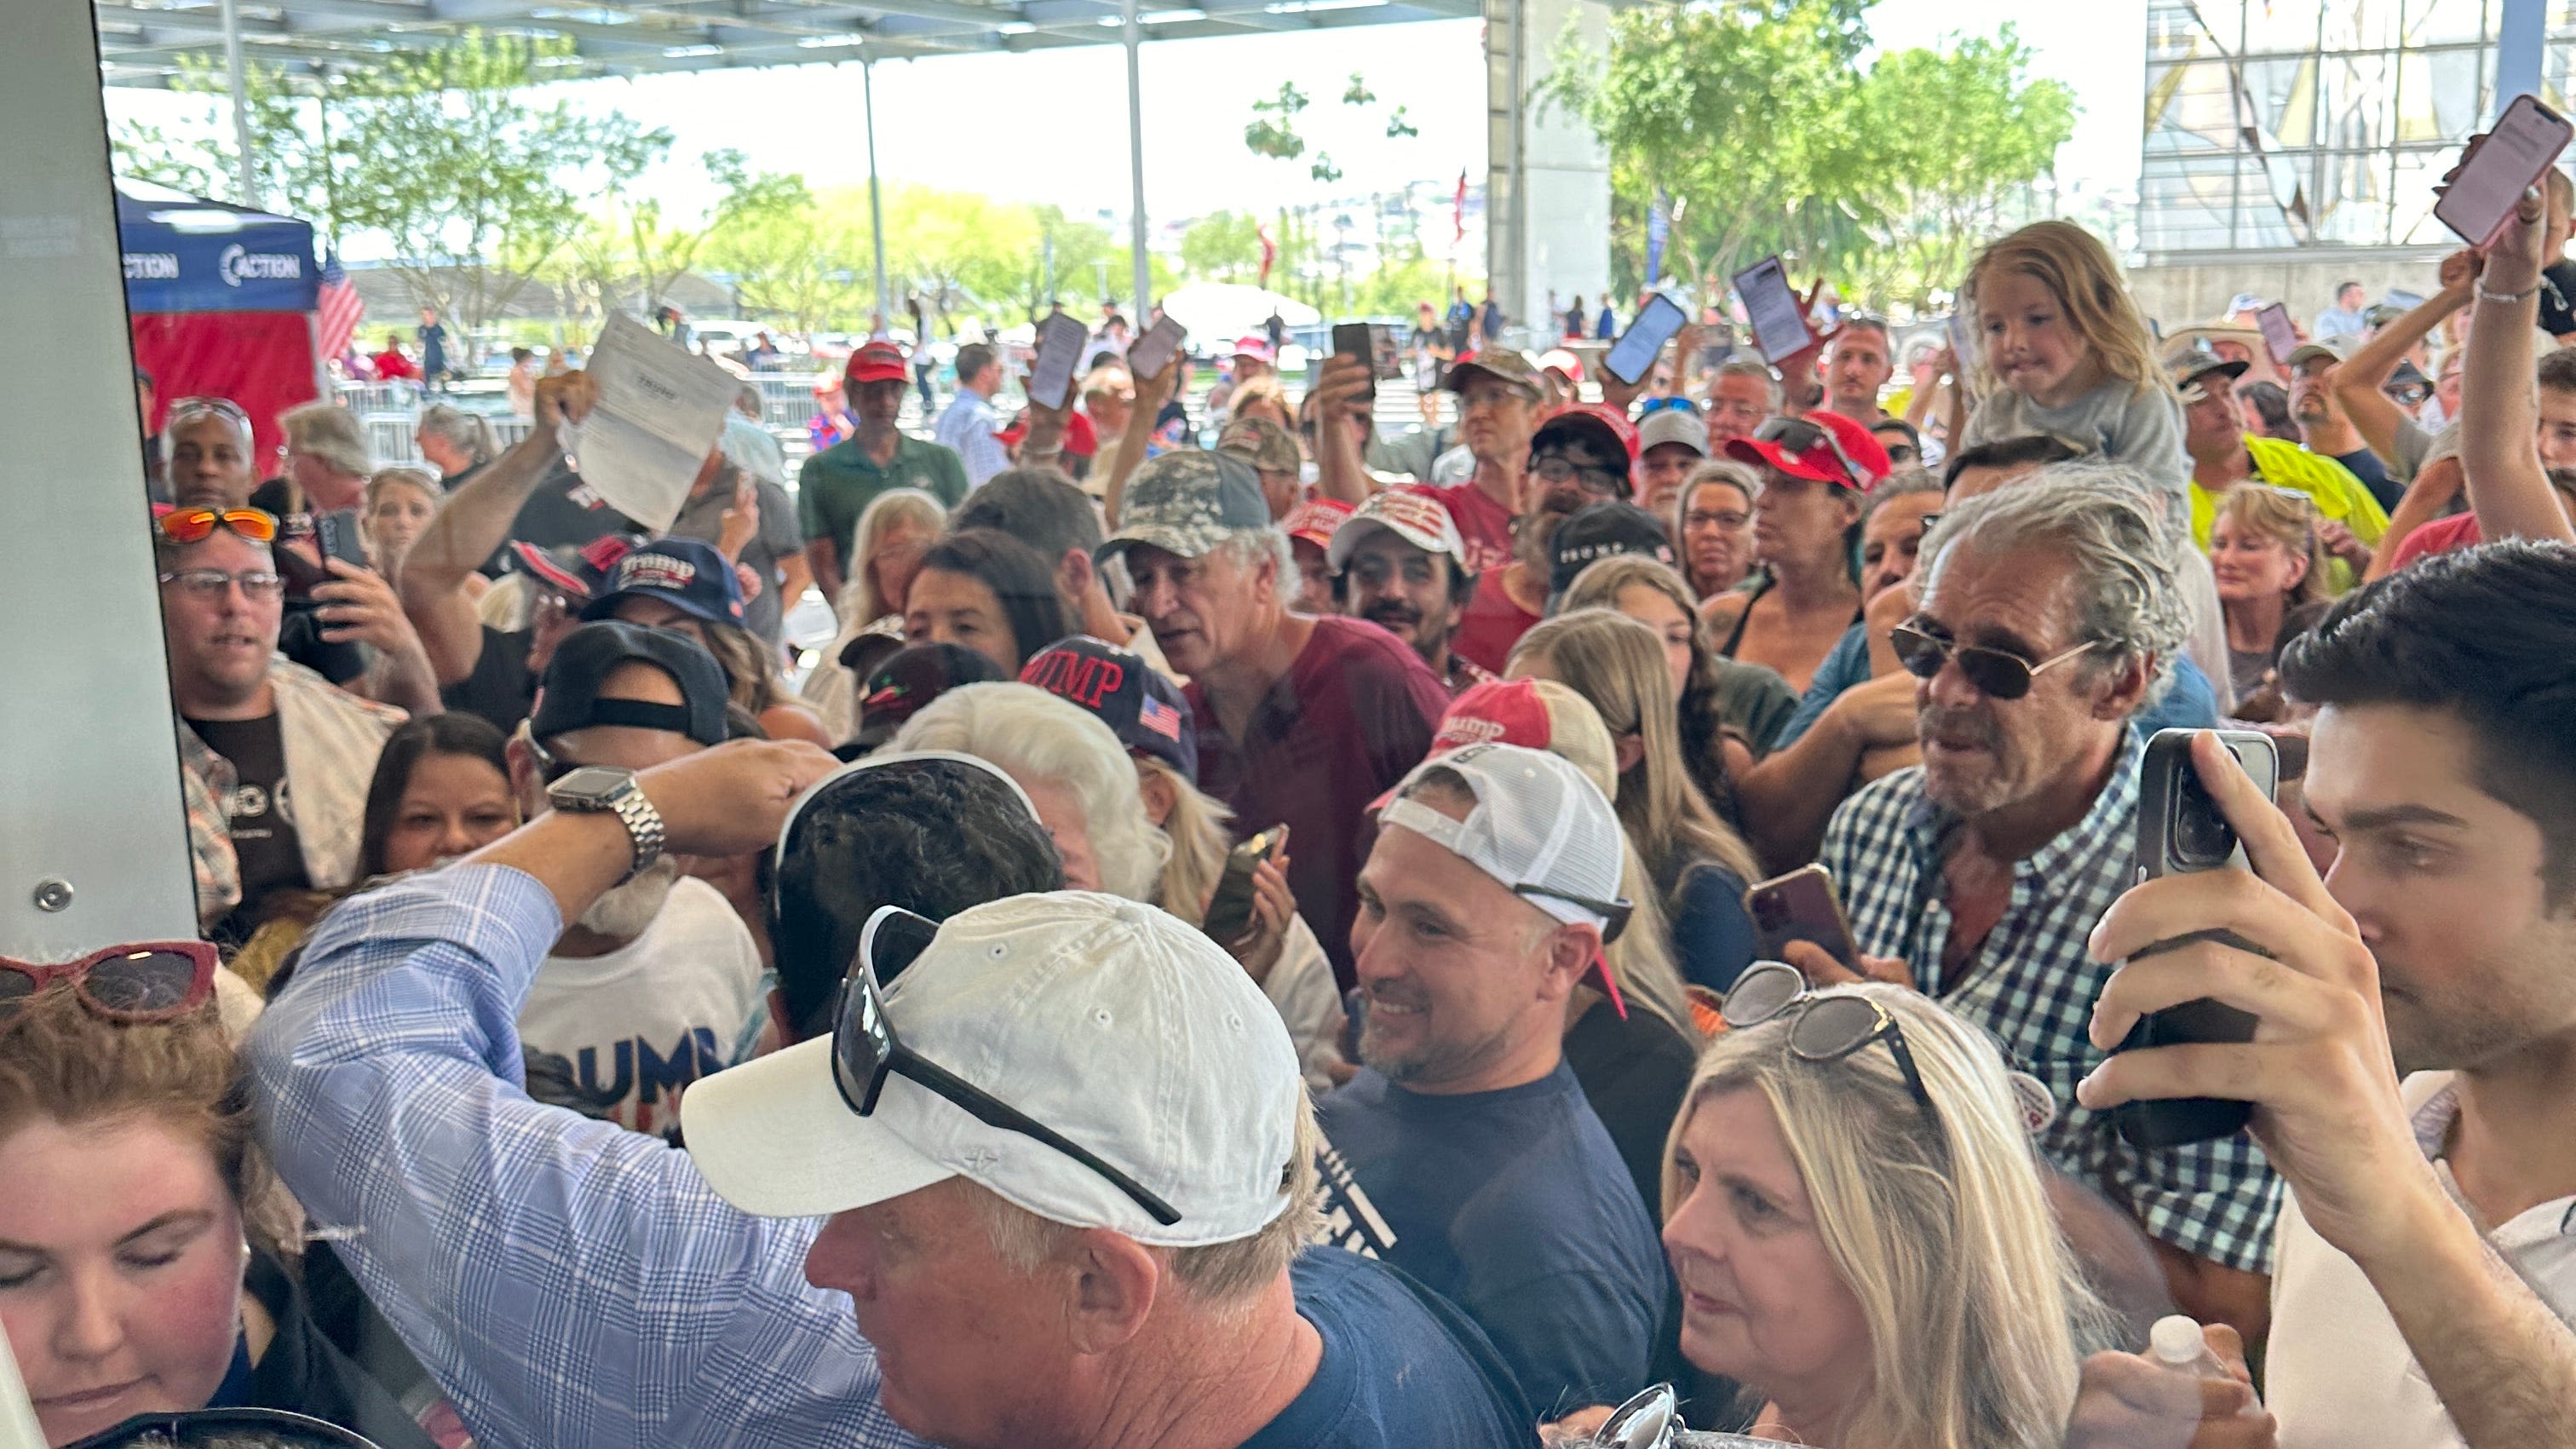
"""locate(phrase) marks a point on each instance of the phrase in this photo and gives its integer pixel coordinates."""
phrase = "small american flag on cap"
(1159, 717)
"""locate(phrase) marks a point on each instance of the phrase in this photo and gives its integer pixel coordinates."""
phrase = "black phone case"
(2179, 1121)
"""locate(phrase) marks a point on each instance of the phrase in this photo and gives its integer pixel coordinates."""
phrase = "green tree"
(809, 263)
(1273, 129)
(1223, 246)
(1761, 123)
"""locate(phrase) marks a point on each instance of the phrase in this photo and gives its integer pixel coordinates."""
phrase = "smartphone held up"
(2181, 830)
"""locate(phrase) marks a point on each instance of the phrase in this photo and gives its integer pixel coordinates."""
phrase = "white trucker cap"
(1538, 826)
(1122, 1029)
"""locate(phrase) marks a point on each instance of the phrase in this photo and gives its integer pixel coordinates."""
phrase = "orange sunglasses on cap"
(190, 525)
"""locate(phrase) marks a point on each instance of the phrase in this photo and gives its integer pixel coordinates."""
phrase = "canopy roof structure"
(144, 42)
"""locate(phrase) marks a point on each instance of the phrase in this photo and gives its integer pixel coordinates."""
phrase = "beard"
(1975, 783)
(627, 910)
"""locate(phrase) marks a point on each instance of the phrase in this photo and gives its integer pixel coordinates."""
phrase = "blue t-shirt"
(1712, 935)
(1515, 1206)
(2189, 703)
(1401, 1368)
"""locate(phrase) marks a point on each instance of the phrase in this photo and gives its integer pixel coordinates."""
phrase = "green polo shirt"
(837, 484)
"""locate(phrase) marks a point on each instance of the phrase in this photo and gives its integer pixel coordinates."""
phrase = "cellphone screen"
(1633, 355)
(1779, 319)
(2278, 335)
(1156, 347)
(2526, 139)
(1059, 351)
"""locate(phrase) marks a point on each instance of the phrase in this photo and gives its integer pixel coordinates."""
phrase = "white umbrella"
(1219, 312)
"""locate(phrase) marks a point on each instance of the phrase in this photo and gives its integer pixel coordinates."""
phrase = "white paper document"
(658, 415)
(1779, 318)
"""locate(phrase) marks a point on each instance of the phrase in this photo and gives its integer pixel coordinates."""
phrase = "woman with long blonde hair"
(894, 531)
(1699, 865)
(1858, 1220)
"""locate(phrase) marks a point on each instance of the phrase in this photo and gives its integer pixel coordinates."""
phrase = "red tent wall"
(261, 360)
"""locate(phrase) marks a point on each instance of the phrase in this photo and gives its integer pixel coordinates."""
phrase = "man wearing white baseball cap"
(1464, 1151)
(1069, 1164)
(1387, 560)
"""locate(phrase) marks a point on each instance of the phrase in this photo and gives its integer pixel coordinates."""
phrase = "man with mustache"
(658, 983)
(2049, 616)
(1402, 566)
(1581, 455)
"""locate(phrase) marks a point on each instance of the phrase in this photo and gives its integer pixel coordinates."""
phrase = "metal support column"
(241, 101)
(1134, 35)
(876, 208)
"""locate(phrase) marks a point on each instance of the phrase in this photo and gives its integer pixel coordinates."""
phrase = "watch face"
(591, 787)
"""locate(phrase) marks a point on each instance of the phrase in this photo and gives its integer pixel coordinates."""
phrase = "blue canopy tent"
(221, 302)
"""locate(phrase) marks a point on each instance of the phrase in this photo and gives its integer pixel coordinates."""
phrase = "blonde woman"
(1150, 719)
(1730, 710)
(2270, 565)
(1861, 1231)
(400, 504)
(1699, 865)
(898, 527)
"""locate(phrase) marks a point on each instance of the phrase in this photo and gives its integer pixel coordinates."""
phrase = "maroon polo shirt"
(1355, 710)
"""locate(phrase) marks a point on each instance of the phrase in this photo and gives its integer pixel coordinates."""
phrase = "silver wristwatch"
(596, 789)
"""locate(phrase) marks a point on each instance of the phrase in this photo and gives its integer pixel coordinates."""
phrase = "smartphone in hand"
(2481, 196)
(2280, 336)
(1633, 356)
(1229, 912)
(1060, 344)
(1155, 348)
(336, 534)
(1801, 906)
(2181, 830)
(1358, 339)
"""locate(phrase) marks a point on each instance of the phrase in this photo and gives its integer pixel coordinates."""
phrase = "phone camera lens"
(2201, 836)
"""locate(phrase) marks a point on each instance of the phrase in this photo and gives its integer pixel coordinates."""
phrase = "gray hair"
(1898, 484)
(2105, 518)
(1245, 548)
(461, 429)
(1740, 367)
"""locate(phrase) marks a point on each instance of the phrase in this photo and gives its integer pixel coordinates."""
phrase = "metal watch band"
(643, 827)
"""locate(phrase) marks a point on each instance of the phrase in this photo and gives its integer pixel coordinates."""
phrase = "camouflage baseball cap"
(1187, 502)
(1263, 444)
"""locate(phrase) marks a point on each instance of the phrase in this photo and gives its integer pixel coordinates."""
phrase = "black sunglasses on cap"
(1827, 1028)
(1997, 673)
(1802, 437)
(866, 1051)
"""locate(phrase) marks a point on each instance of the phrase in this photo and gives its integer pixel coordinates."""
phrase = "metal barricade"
(363, 398)
(786, 398)
(392, 438)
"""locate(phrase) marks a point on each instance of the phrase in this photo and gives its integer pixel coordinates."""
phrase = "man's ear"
(1115, 1279)
(2126, 688)
(1571, 950)
(526, 782)
(1074, 576)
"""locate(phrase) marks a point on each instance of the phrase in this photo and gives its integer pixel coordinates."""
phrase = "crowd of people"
(1274, 944)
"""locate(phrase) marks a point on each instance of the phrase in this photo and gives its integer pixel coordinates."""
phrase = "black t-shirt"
(2558, 298)
(273, 497)
(259, 814)
(563, 510)
(1634, 1073)
(502, 688)
(2365, 465)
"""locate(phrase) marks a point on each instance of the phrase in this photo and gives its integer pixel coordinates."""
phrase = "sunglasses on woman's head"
(1997, 673)
(194, 525)
(1824, 1028)
(147, 981)
(1802, 437)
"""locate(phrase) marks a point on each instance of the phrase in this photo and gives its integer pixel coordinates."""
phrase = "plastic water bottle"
(2177, 1343)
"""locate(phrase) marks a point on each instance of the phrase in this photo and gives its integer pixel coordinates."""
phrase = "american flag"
(1159, 717)
(339, 307)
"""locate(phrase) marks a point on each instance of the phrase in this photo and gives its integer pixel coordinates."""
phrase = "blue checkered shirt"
(2033, 986)
(570, 1284)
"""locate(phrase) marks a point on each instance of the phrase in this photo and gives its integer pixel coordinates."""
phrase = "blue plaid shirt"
(2033, 986)
(570, 1284)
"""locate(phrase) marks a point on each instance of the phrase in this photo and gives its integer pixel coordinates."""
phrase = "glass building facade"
(2283, 124)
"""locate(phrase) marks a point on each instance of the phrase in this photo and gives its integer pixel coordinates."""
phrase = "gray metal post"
(241, 101)
(876, 209)
(94, 848)
(1135, 35)
(2521, 40)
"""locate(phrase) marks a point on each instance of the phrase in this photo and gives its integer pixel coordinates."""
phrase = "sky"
(1052, 126)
